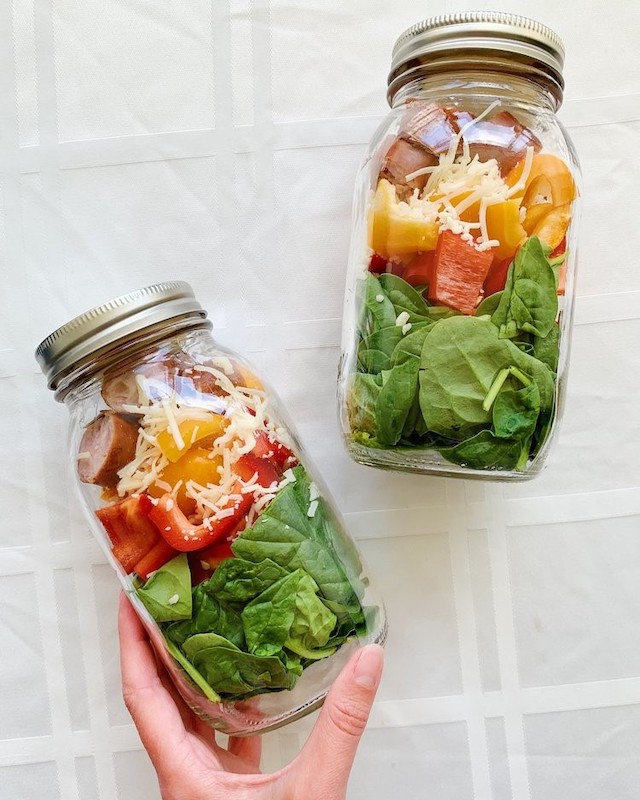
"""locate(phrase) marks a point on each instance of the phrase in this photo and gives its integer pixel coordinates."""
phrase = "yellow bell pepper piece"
(396, 228)
(191, 431)
(195, 465)
(248, 379)
(503, 224)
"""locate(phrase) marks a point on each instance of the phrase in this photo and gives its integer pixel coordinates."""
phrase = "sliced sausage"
(108, 443)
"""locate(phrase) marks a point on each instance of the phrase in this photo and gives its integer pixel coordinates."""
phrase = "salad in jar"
(222, 533)
(459, 301)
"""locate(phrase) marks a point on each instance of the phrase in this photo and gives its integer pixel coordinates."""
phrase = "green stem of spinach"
(498, 383)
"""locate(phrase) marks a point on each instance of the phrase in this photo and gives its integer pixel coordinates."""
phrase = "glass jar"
(200, 495)
(460, 285)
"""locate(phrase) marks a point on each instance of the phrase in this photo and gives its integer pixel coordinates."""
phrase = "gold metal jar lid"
(507, 42)
(115, 322)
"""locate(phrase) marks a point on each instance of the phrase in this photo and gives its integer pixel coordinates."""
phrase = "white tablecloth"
(217, 142)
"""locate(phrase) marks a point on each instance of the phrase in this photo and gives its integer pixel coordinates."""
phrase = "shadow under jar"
(460, 284)
(204, 502)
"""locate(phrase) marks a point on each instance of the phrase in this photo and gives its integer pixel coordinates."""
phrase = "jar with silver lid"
(461, 271)
(202, 498)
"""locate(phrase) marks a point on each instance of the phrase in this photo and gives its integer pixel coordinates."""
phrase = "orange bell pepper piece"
(553, 226)
(554, 170)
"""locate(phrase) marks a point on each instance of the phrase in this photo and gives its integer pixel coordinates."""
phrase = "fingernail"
(368, 668)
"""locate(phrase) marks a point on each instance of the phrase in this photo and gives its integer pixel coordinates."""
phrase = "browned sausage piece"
(108, 443)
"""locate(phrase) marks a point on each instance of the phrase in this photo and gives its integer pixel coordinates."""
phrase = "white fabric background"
(216, 141)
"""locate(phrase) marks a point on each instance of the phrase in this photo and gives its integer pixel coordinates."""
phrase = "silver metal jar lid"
(462, 39)
(114, 322)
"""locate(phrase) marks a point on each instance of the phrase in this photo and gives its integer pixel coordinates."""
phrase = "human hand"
(191, 765)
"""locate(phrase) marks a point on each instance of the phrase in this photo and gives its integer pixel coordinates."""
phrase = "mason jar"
(204, 502)
(461, 273)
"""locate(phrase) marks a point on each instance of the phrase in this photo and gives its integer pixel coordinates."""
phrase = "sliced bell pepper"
(459, 270)
(183, 535)
(534, 216)
(195, 465)
(248, 379)
(395, 228)
(553, 226)
(214, 556)
(157, 557)
(191, 431)
(503, 224)
(250, 464)
(130, 531)
(378, 264)
(556, 172)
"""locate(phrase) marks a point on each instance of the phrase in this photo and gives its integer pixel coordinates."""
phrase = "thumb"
(336, 735)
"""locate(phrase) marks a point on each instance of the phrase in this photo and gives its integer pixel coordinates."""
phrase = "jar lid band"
(114, 322)
(453, 41)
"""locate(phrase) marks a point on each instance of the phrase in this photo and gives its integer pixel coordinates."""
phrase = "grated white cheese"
(314, 492)
(379, 298)
(313, 507)
(402, 318)
(173, 599)
(406, 328)
(84, 455)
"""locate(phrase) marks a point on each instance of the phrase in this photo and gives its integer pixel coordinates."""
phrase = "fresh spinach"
(209, 614)
(529, 301)
(239, 581)
(362, 396)
(378, 310)
(489, 305)
(396, 398)
(288, 534)
(461, 358)
(515, 412)
(167, 593)
(547, 348)
(485, 450)
(234, 672)
(288, 613)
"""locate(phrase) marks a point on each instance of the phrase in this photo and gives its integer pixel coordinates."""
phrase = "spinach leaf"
(409, 346)
(399, 388)
(287, 534)
(239, 581)
(378, 313)
(404, 297)
(192, 672)
(362, 396)
(460, 360)
(288, 613)
(209, 615)
(547, 348)
(167, 593)
(485, 451)
(373, 361)
(382, 341)
(489, 304)
(515, 413)
(529, 301)
(232, 671)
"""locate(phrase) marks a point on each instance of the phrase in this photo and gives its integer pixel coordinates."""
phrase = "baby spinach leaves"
(290, 596)
(167, 593)
(479, 390)
(529, 301)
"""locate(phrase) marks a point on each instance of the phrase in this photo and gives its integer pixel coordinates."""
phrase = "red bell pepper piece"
(157, 557)
(420, 271)
(377, 264)
(497, 276)
(275, 451)
(459, 270)
(249, 465)
(129, 529)
(183, 535)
